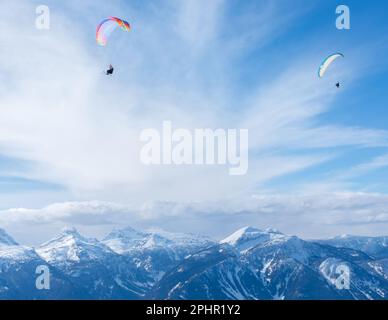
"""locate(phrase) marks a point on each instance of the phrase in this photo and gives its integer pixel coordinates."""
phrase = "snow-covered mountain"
(292, 268)
(376, 247)
(93, 266)
(277, 266)
(18, 266)
(212, 273)
(128, 239)
(70, 247)
(248, 264)
(249, 237)
(154, 253)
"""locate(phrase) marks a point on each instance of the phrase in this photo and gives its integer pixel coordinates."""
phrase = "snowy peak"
(68, 236)
(292, 247)
(128, 240)
(249, 237)
(127, 233)
(71, 246)
(6, 240)
(344, 236)
(184, 239)
(155, 240)
(361, 239)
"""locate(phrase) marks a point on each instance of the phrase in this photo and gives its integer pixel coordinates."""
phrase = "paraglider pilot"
(110, 70)
(337, 84)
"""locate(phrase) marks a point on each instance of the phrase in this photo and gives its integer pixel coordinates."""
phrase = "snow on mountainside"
(124, 240)
(18, 273)
(374, 246)
(276, 266)
(249, 237)
(102, 273)
(248, 264)
(13, 253)
(212, 273)
(285, 266)
(128, 239)
(154, 253)
(291, 268)
(71, 247)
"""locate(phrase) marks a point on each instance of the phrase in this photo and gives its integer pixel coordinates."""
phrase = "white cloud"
(80, 129)
(364, 168)
(306, 215)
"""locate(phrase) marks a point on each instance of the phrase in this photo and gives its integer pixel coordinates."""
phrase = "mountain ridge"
(248, 264)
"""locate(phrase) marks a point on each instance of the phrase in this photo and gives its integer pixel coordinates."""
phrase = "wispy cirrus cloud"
(190, 62)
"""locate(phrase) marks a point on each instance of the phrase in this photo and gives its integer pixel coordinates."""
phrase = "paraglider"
(105, 29)
(109, 72)
(107, 26)
(327, 62)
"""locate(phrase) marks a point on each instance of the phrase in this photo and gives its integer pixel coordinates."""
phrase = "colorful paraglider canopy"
(107, 26)
(327, 62)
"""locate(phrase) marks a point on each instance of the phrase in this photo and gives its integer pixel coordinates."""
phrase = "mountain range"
(249, 264)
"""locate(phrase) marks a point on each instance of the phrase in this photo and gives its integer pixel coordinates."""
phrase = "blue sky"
(69, 135)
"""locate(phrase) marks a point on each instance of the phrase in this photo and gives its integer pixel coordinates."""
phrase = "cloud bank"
(312, 216)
